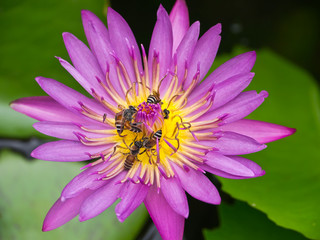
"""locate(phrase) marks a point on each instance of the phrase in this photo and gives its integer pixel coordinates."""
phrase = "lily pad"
(242, 222)
(30, 38)
(28, 190)
(289, 192)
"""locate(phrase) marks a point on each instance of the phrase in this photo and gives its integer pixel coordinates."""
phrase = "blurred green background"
(283, 204)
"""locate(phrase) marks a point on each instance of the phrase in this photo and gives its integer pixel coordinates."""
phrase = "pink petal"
(263, 132)
(255, 168)
(68, 97)
(44, 108)
(228, 165)
(121, 37)
(161, 43)
(65, 130)
(179, 17)
(169, 224)
(204, 53)
(86, 63)
(186, 47)
(230, 143)
(227, 90)
(175, 196)
(198, 185)
(238, 108)
(242, 63)
(66, 151)
(101, 199)
(62, 212)
(99, 41)
(132, 196)
(87, 179)
(93, 28)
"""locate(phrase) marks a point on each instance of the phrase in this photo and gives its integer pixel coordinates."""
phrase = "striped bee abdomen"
(152, 99)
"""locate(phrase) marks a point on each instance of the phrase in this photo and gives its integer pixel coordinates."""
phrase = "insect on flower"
(177, 128)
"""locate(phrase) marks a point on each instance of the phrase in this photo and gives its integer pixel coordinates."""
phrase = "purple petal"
(99, 41)
(68, 97)
(255, 168)
(44, 108)
(263, 132)
(204, 53)
(121, 37)
(238, 108)
(86, 63)
(132, 196)
(66, 151)
(161, 42)
(228, 165)
(227, 90)
(242, 63)
(186, 47)
(101, 199)
(93, 28)
(198, 185)
(179, 17)
(175, 196)
(65, 130)
(62, 212)
(85, 180)
(230, 143)
(169, 224)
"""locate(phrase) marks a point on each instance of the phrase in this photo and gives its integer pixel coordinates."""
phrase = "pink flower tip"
(46, 228)
(264, 94)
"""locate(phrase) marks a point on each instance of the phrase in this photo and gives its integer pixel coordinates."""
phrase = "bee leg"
(126, 145)
(114, 150)
(143, 152)
(133, 141)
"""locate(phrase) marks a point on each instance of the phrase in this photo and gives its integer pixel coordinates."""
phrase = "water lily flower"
(154, 124)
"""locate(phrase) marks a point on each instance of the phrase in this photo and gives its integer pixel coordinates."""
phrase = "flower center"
(150, 132)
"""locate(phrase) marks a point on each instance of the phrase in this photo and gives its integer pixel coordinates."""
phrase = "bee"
(154, 97)
(149, 142)
(123, 120)
(133, 155)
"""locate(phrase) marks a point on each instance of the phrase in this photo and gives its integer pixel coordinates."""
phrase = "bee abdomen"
(152, 99)
(158, 134)
(128, 163)
(135, 127)
(119, 127)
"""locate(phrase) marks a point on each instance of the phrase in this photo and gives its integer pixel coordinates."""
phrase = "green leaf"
(241, 222)
(30, 38)
(28, 190)
(289, 192)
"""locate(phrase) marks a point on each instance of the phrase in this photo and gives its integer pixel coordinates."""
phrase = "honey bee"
(154, 97)
(149, 142)
(123, 120)
(133, 155)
